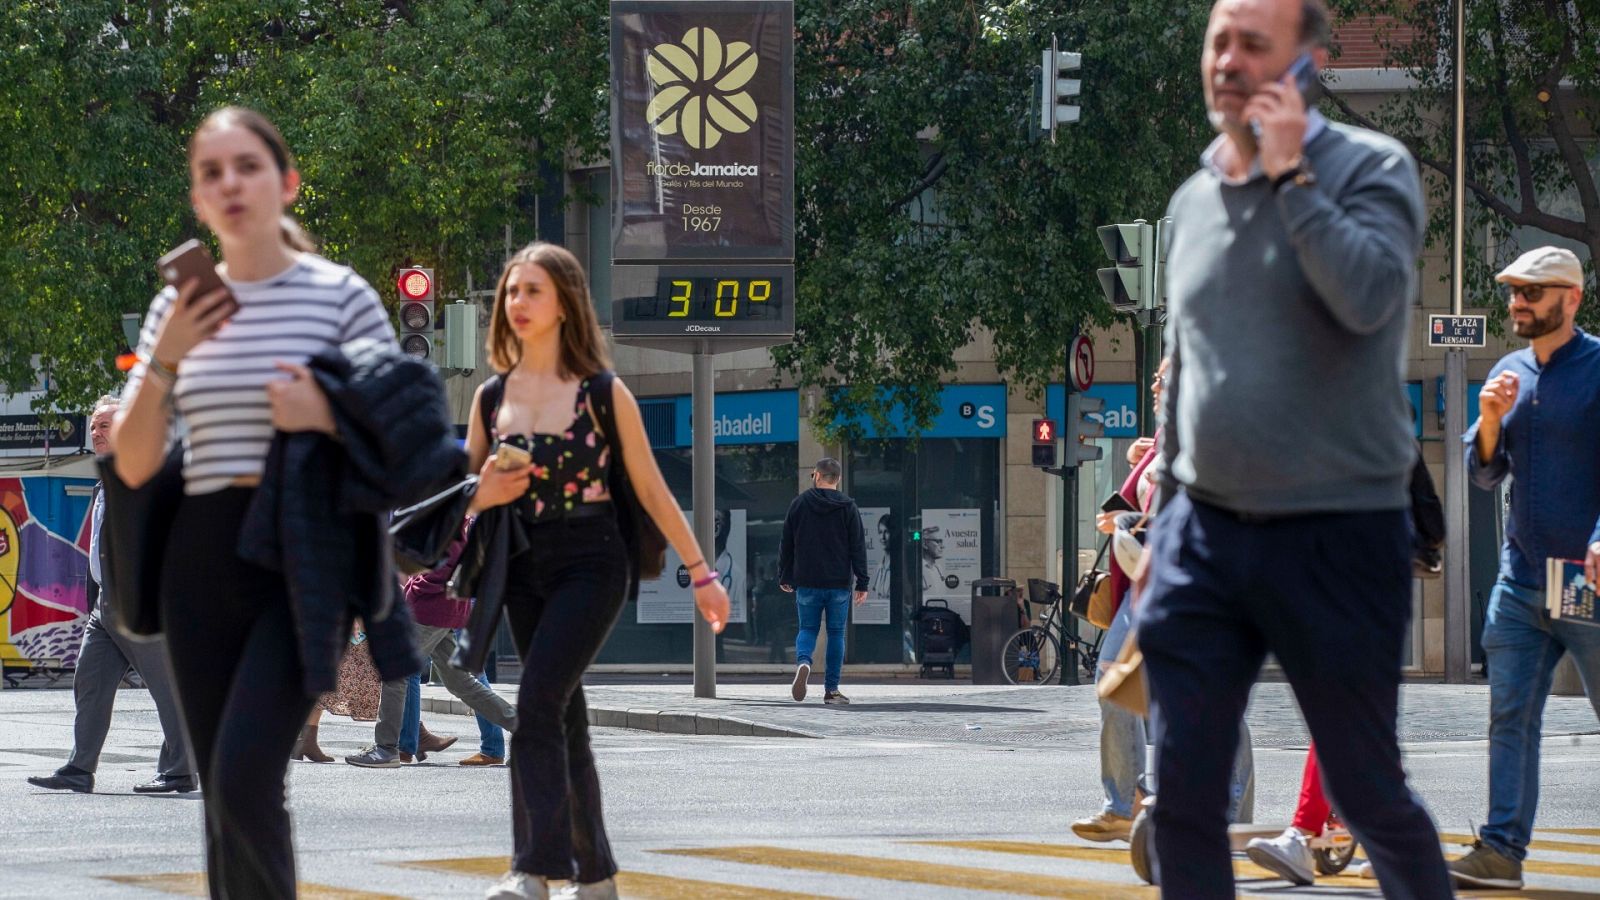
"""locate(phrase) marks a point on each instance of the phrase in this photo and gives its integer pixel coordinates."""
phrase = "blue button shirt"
(1550, 446)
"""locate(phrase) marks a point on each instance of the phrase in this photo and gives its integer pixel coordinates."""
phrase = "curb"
(641, 719)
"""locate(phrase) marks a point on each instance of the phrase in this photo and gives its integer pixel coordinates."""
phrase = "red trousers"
(1311, 814)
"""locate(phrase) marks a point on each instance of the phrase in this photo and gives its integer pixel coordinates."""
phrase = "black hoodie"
(823, 544)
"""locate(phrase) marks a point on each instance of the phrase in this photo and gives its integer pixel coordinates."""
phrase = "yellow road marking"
(916, 872)
(1581, 832)
(193, 884)
(629, 884)
(1467, 840)
(1241, 869)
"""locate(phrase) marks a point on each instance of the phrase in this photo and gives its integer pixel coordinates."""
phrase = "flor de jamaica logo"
(700, 88)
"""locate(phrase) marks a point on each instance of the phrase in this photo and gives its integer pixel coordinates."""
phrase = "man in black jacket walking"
(823, 549)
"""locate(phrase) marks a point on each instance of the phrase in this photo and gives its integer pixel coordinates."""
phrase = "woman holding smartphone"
(231, 362)
(563, 594)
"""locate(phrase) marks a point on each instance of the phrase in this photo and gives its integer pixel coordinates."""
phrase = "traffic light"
(460, 336)
(1058, 90)
(416, 311)
(1082, 428)
(1130, 284)
(1044, 443)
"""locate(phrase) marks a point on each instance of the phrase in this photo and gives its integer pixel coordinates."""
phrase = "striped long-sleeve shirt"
(221, 392)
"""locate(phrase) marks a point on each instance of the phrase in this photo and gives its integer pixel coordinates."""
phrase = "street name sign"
(1457, 331)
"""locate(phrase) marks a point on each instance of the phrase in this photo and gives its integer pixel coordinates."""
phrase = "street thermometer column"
(702, 200)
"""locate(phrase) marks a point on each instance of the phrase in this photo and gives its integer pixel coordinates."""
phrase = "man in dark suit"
(104, 659)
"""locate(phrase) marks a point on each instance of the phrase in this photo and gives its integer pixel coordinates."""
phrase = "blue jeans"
(1522, 646)
(411, 719)
(491, 739)
(810, 603)
(1123, 740)
(1122, 734)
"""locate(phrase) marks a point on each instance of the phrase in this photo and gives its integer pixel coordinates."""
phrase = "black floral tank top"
(568, 468)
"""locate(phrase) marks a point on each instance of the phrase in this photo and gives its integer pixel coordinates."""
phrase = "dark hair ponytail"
(293, 234)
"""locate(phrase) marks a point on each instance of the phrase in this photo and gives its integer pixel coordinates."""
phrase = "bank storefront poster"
(669, 600)
(876, 525)
(950, 555)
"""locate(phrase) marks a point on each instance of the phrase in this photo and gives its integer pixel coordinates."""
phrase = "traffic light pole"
(703, 477)
(1069, 522)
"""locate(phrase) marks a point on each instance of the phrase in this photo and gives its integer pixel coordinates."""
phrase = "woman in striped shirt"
(235, 375)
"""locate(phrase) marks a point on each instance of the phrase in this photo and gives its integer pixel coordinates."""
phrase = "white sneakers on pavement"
(798, 689)
(1287, 855)
(516, 885)
(599, 890)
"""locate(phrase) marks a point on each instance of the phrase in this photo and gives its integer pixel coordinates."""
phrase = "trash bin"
(996, 615)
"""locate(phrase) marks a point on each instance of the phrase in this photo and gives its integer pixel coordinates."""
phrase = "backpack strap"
(603, 410)
(494, 390)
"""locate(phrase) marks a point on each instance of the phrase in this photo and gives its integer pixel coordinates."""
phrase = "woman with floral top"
(564, 592)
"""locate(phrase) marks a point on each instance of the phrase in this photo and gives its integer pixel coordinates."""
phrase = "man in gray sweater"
(1286, 446)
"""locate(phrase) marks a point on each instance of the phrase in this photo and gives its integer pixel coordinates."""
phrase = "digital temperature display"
(703, 301)
(712, 299)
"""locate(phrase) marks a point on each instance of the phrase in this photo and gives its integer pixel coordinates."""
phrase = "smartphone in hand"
(1306, 79)
(191, 260)
(510, 456)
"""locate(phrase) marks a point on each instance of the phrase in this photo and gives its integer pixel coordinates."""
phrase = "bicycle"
(1032, 656)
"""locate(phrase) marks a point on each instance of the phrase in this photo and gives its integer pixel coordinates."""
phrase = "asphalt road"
(698, 816)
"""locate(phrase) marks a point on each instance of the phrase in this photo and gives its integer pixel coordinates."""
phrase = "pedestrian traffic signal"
(1130, 284)
(1044, 443)
(1085, 423)
(416, 311)
(1058, 90)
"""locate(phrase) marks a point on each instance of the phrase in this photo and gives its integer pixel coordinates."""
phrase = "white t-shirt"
(221, 394)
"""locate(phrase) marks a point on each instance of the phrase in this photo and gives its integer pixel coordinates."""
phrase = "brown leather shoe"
(479, 759)
(428, 742)
(406, 758)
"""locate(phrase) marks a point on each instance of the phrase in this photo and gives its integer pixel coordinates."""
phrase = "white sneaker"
(1287, 855)
(599, 890)
(519, 886)
(798, 689)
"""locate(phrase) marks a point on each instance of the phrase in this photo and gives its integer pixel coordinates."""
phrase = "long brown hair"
(259, 125)
(583, 346)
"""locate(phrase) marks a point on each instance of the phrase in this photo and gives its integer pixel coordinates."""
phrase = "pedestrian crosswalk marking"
(919, 872)
(642, 885)
(193, 884)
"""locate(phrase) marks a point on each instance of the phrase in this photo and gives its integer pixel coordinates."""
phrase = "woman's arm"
(139, 431)
(657, 500)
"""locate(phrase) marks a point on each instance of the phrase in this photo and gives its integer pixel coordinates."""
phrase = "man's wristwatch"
(1299, 175)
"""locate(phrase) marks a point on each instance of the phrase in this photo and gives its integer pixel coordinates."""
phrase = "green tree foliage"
(930, 212)
(421, 129)
(1533, 110)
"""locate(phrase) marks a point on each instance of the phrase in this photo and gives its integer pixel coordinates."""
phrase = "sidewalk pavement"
(1056, 716)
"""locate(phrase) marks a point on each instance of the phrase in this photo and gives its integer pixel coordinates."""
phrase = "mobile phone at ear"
(189, 261)
(1306, 78)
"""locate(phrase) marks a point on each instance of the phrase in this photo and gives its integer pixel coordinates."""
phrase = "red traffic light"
(1044, 431)
(415, 284)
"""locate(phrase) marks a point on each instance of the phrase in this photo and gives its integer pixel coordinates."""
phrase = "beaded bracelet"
(155, 367)
(711, 578)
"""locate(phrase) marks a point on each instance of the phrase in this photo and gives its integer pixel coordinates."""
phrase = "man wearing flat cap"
(1539, 422)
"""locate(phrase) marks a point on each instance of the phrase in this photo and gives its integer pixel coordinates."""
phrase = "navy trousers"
(1328, 595)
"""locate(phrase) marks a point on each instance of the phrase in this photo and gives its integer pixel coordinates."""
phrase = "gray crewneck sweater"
(1287, 320)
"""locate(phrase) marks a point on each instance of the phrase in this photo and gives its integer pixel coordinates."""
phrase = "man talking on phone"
(1285, 452)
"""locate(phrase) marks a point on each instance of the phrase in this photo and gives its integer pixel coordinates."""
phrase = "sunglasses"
(1533, 293)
